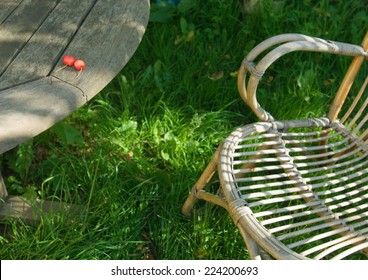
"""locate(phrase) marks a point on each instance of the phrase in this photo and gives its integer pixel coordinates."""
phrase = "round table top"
(35, 90)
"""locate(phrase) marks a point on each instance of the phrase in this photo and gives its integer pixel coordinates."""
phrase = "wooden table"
(34, 94)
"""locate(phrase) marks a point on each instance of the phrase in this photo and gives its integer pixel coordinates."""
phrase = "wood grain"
(7, 7)
(16, 30)
(46, 45)
(29, 109)
(3, 191)
(32, 211)
(33, 94)
(106, 41)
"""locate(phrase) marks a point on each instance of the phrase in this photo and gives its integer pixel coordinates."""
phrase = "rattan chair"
(297, 189)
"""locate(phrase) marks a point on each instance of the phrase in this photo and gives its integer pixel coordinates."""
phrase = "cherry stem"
(61, 68)
(79, 73)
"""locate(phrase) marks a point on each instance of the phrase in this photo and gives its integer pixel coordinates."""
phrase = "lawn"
(131, 155)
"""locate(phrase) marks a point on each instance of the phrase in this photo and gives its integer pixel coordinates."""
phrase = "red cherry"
(68, 60)
(79, 65)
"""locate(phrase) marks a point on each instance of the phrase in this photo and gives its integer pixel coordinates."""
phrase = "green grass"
(131, 155)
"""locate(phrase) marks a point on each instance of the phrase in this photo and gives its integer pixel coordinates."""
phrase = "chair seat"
(299, 188)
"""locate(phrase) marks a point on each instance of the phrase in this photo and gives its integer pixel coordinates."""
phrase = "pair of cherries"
(78, 64)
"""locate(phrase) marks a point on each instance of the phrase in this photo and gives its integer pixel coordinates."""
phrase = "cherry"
(79, 65)
(68, 60)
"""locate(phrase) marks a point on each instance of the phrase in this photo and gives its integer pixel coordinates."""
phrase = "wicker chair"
(297, 189)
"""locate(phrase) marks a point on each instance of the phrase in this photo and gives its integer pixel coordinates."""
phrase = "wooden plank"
(44, 49)
(106, 41)
(7, 7)
(16, 30)
(32, 211)
(29, 109)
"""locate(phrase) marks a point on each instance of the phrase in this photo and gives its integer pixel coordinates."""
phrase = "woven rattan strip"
(328, 202)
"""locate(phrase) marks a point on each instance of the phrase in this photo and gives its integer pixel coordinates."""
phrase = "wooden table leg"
(31, 211)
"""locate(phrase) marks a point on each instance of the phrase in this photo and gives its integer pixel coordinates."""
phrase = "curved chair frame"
(296, 189)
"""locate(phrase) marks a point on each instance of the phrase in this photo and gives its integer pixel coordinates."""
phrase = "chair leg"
(255, 251)
(201, 184)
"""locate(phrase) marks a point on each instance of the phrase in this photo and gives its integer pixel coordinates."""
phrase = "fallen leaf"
(234, 74)
(216, 75)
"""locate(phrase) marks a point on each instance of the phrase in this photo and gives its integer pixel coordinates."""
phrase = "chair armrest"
(287, 43)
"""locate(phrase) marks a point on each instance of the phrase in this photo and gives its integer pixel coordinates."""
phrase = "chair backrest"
(287, 43)
(355, 114)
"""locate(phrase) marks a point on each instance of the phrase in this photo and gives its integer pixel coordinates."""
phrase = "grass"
(131, 155)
